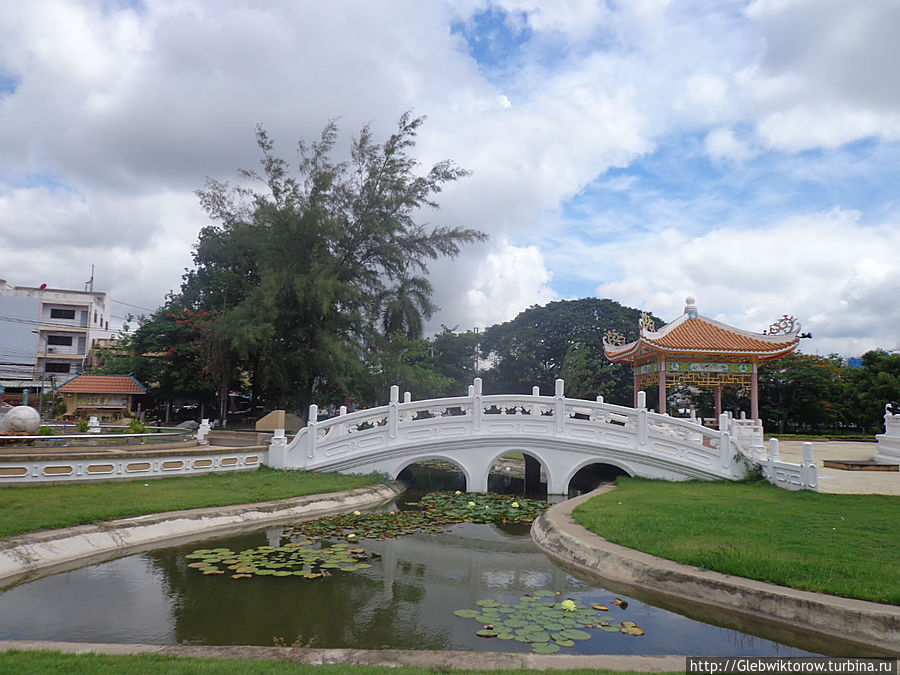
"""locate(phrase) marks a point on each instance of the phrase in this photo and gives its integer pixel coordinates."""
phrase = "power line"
(128, 304)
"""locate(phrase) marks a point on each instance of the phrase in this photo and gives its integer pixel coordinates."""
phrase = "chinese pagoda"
(697, 351)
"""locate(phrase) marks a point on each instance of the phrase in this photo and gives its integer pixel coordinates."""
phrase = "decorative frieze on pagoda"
(697, 351)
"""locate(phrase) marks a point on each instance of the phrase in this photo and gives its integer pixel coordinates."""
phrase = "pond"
(405, 600)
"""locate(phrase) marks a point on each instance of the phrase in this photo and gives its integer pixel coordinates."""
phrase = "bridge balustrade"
(472, 431)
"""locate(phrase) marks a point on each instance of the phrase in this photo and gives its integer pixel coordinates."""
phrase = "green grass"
(37, 663)
(41, 507)
(838, 544)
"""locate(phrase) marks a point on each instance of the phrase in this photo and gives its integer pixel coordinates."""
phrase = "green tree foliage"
(165, 353)
(870, 387)
(800, 392)
(561, 339)
(453, 355)
(301, 272)
(405, 305)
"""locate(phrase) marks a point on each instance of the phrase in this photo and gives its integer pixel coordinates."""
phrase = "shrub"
(136, 427)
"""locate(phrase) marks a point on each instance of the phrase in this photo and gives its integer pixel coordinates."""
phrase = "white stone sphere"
(21, 419)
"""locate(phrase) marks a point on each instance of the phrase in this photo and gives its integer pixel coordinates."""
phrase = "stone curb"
(40, 553)
(432, 660)
(559, 536)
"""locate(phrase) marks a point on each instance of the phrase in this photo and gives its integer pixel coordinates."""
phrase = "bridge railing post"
(393, 410)
(642, 417)
(477, 407)
(312, 423)
(809, 474)
(559, 410)
(724, 442)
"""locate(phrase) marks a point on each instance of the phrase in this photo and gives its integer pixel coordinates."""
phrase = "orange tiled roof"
(102, 384)
(697, 335)
(701, 335)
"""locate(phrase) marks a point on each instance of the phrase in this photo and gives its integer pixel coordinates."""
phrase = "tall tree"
(405, 306)
(877, 382)
(561, 339)
(299, 268)
(800, 392)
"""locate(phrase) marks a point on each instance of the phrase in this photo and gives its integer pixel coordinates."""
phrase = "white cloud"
(510, 280)
(828, 75)
(118, 115)
(837, 275)
(721, 144)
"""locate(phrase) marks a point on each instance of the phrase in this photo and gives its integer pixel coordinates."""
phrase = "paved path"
(838, 480)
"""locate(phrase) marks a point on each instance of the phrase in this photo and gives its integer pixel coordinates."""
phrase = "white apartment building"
(66, 326)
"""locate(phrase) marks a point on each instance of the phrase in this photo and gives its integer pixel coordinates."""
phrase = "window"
(57, 368)
(62, 340)
(56, 313)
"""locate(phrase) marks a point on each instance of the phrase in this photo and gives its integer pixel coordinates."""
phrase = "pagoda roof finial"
(690, 307)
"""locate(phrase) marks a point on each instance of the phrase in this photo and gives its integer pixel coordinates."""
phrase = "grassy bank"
(837, 544)
(42, 507)
(35, 663)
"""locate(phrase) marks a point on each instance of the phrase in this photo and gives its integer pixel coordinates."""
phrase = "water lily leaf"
(602, 608)
(628, 624)
(545, 648)
(486, 633)
(610, 629)
(488, 603)
(505, 636)
(198, 565)
(565, 642)
(467, 613)
(575, 634)
(545, 594)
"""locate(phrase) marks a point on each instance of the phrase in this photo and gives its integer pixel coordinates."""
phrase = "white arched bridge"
(565, 435)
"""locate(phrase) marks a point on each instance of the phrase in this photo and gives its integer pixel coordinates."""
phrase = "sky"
(745, 153)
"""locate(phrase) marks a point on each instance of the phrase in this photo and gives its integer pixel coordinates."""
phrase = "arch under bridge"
(565, 435)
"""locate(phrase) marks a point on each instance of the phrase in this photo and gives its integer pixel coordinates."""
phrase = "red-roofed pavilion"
(106, 396)
(701, 352)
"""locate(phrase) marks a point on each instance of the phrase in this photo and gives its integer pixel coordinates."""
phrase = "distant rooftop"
(102, 384)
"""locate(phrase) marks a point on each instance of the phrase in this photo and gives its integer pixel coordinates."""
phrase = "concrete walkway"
(839, 481)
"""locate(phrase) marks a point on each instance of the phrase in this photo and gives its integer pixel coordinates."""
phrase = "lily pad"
(467, 613)
(575, 634)
(545, 648)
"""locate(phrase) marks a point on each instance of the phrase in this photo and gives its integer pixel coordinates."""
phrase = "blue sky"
(744, 152)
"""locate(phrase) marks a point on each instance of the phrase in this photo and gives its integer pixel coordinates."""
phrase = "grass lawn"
(42, 507)
(838, 544)
(35, 663)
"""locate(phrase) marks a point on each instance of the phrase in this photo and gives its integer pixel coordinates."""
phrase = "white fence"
(124, 465)
(564, 434)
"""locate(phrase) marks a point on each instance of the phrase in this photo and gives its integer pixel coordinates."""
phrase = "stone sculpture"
(20, 419)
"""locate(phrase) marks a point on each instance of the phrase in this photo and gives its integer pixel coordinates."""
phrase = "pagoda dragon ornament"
(613, 338)
(646, 323)
(784, 326)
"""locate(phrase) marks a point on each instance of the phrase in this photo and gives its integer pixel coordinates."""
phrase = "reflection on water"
(405, 601)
